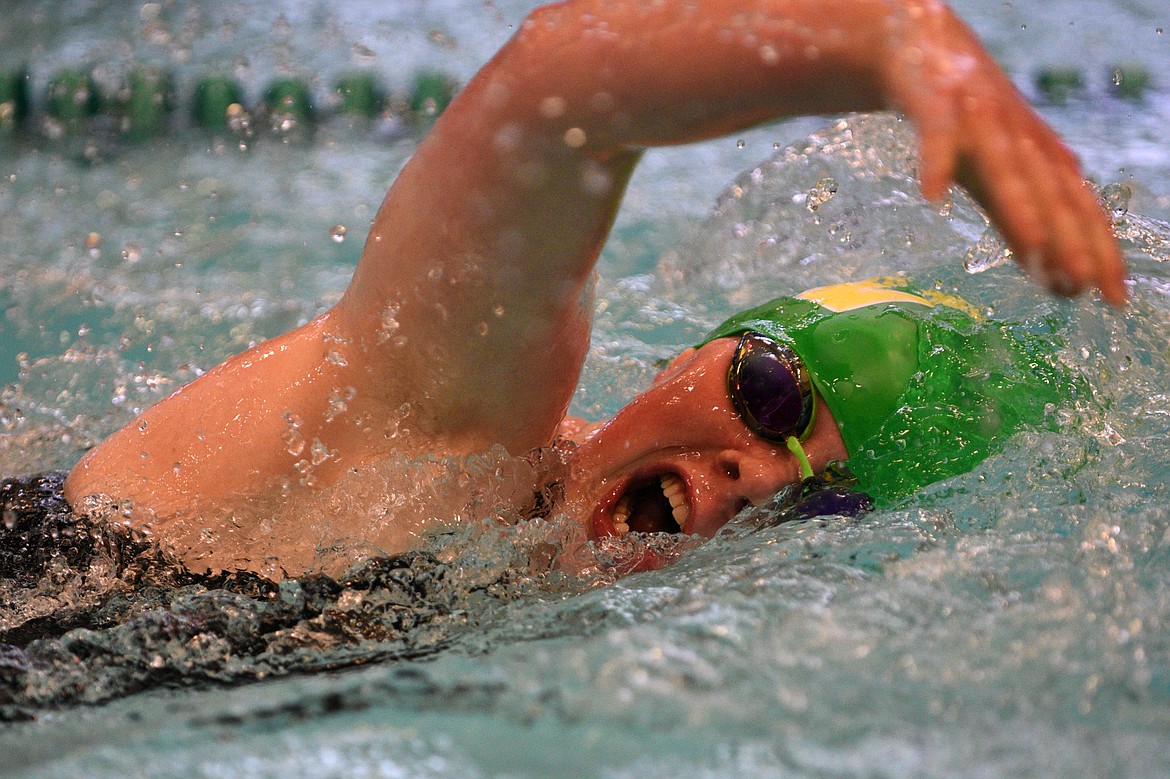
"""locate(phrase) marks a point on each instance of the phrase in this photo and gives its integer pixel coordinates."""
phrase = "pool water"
(1014, 621)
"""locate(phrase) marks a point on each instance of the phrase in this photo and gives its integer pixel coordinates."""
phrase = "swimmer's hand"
(977, 130)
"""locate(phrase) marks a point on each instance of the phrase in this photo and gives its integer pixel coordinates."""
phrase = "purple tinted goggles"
(771, 389)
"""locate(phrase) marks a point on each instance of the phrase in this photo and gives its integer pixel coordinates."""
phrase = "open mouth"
(655, 504)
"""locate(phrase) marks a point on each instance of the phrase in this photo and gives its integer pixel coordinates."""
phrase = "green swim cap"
(922, 387)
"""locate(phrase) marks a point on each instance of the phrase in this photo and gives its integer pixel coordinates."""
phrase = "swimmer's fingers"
(1111, 272)
(977, 129)
(938, 155)
(1061, 257)
(1079, 249)
(1091, 238)
(1012, 191)
(1032, 186)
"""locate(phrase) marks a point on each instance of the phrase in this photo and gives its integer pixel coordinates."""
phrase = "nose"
(755, 476)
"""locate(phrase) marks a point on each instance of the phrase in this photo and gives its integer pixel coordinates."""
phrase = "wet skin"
(685, 426)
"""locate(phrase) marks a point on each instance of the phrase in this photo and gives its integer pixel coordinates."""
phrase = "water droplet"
(740, 144)
(481, 329)
(821, 193)
(390, 323)
(142, 424)
(596, 181)
(575, 137)
(93, 245)
(1117, 77)
(1159, 31)
(498, 311)
(294, 442)
(988, 252)
(552, 106)
(319, 452)
(335, 358)
(337, 233)
(339, 402)
(1116, 197)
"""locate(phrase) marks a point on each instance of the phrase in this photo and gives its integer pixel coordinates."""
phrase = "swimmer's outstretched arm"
(469, 313)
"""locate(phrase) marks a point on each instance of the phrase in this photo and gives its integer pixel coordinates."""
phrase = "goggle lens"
(770, 388)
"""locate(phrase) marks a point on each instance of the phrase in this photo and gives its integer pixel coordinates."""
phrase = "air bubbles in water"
(337, 233)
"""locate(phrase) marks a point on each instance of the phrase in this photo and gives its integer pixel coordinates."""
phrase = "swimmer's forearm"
(610, 76)
(607, 76)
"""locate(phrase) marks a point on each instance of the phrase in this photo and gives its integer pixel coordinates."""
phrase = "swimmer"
(473, 295)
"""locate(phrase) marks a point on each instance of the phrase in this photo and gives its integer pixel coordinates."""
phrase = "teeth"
(621, 513)
(675, 492)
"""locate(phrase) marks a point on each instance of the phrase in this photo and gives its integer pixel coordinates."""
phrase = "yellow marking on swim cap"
(882, 289)
(858, 294)
(952, 301)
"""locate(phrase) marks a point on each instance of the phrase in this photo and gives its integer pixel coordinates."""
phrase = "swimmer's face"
(680, 458)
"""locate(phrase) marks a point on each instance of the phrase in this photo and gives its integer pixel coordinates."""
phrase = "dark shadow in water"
(89, 614)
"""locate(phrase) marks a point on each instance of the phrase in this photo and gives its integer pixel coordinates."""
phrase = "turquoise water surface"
(1014, 621)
